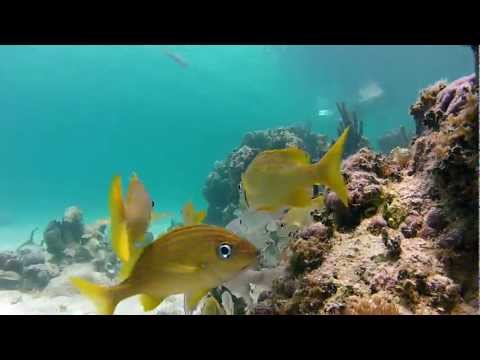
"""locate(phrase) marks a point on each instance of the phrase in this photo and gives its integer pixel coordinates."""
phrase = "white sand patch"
(60, 298)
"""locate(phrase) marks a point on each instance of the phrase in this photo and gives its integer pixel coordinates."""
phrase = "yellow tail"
(327, 170)
(120, 241)
(101, 296)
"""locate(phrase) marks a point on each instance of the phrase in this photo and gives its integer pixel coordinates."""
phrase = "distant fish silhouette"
(177, 58)
(369, 92)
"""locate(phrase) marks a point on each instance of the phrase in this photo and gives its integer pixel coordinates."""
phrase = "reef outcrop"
(408, 242)
(65, 242)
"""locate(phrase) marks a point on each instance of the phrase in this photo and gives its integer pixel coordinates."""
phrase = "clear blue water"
(73, 116)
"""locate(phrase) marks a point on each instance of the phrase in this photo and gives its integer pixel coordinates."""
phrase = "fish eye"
(240, 186)
(153, 203)
(224, 251)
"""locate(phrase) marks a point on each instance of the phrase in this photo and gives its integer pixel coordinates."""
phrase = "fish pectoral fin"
(299, 198)
(192, 299)
(149, 302)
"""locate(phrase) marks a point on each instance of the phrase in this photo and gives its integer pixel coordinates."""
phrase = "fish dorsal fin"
(293, 154)
(120, 242)
(127, 267)
(200, 216)
(190, 217)
(133, 181)
(192, 299)
(149, 302)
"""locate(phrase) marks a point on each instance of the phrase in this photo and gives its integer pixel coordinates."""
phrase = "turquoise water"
(73, 116)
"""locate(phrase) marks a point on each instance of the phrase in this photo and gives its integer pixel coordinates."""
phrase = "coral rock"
(377, 223)
(411, 226)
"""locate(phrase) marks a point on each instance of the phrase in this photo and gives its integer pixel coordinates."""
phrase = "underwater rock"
(37, 276)
(53, 237)
(398, 138)
(32, 255)
(452, 239)
(316, 230)
(441, 100)
(11, 262)
(221, 189)
(392, 244)
(435, 219)
(377, 223)
(355, 140)
(411, 226)
(364, 173)
(9, 280)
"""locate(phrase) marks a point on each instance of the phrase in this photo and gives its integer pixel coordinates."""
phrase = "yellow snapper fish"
(190, 260)
(302, 216)
(190, 216)
(130, 220)
(284, 178)
(211, 306)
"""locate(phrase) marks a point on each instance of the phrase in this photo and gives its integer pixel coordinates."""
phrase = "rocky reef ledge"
(408, 242)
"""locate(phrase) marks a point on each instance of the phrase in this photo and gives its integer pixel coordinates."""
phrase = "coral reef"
(221, 189)
(398, 138)
(32, 266)
(355, 139)
(408, 242)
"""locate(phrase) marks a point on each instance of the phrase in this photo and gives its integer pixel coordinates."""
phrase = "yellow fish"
(211, 306)
(130, 220)
(190, 260)
(302, 216)
(190, 217)
(279, 178)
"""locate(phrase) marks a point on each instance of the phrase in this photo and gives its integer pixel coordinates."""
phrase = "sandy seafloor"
(60, 298)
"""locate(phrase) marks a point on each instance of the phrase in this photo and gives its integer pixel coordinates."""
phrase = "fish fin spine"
(101, 296)
(327, 170)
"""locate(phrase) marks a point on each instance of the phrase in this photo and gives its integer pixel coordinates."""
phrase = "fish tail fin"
(120, 241)
(327, 170)
(101, 296)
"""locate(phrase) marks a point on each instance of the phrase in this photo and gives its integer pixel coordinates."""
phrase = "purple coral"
(316, 230)
(377, 223)
(451, 239)
(411, 226)
(435, 219)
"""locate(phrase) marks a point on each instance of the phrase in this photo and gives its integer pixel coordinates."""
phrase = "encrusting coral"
(408, 242)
